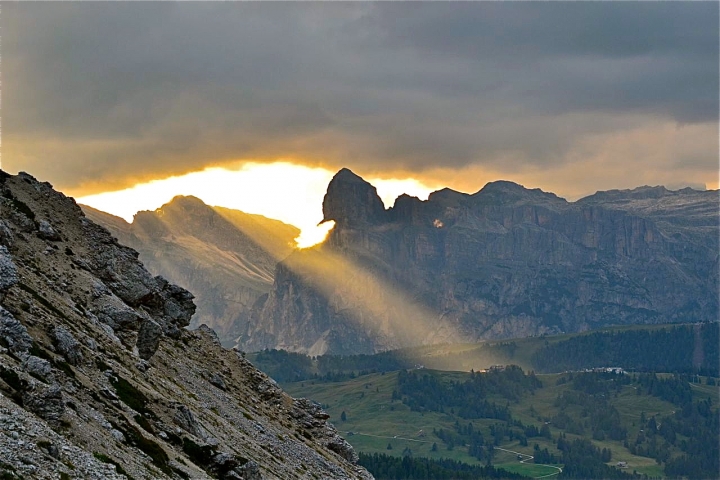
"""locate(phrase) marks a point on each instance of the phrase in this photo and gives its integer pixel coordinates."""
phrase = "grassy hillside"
(376, 418)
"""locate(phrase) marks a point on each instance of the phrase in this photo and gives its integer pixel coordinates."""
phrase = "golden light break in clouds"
(283, 191)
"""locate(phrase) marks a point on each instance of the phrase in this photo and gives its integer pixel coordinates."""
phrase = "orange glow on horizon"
(311, 237)
(283, 191)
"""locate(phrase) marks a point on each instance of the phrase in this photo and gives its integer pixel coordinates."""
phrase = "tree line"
(386, 467)
(423, 391)
(680, 349)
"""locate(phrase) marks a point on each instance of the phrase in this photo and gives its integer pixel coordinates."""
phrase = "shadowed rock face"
(504, 262)
(351, 201)
(97, 368)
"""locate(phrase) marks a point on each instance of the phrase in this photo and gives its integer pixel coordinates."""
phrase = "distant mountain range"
(225, 257)
(504, 262)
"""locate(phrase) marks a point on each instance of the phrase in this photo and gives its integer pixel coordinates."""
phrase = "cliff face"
(504, 262)
(225, 257)
(99, 379)
(351, 201)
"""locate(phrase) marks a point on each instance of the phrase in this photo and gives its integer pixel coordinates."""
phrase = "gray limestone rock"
(217, 380)
(66, 344)
(119, 269)
(6, 236)
(185, 419)
(127, 286)
(225, 465)
(98, 287)
(117, 435)
(314, 419)
(148, 339)
(178, 304)
(269, 389)
(46, 402)
(204, 329)
(48, 448)
(38, 366)
(90, 343)
(46, 231)
(249, 471)
(142, 365)
(110, 333)
(8, 270)
(340, 446)
(113, 312)
(14, 333)
(305, 409)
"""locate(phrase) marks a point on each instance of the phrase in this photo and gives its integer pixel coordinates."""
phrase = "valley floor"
(375, 418)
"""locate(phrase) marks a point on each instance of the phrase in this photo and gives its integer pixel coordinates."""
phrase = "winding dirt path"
(530, 457)
(392, 438)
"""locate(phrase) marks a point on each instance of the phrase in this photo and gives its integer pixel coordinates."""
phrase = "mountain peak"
(637, 193)
(187, 200)
(505, 191)
(504, 184)
(350, 200)
(447, 196)
(187, 203)
(347, 175)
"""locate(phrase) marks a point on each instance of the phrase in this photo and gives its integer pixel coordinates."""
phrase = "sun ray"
(373, 304)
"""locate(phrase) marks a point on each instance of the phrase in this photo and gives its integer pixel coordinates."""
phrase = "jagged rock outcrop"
(351, 201)
(225, 257)
(45, 401)
(504, 262)
(67, 345)
(38, 366)
(8, 272)
(148, 339)
(13, 334)
(6, 236)
(99, 378)
(46, 231)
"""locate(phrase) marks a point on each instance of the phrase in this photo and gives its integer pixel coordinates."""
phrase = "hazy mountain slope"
(504, 262)
(225, 257)
(97, 370)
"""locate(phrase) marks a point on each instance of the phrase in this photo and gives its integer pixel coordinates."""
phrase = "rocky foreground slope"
(100, 379)
(504, 262)
(225, 257)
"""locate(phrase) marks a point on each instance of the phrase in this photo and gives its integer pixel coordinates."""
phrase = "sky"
(569, 97)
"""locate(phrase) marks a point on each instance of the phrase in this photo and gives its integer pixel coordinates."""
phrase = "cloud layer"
(102, 95)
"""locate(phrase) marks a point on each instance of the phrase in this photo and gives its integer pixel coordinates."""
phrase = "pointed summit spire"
(350, 200)
(348, 176)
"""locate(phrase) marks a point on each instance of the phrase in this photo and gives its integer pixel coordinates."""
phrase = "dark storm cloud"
(94, 91)
(658, 57)
(527, 29)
